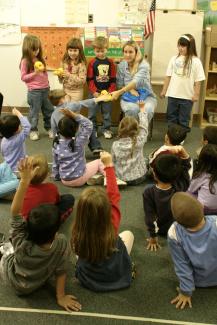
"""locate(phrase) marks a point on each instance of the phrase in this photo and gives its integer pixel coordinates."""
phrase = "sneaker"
(96, 152)
(50, 134)
(107, 134)
(120, 183)
(96, 180)
(34, 135)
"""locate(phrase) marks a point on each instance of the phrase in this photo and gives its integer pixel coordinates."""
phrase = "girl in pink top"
(36, 79)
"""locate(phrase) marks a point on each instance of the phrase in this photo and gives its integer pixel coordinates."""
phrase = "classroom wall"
(49, 12)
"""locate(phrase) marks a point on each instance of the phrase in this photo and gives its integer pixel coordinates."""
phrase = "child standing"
(127, 152)
(14, 129)
(103, 256)
(192, 241)
(74, 70)
(204, 182)
(37, 83)
(171, 175)
(101, 75)
(182, 84)
(40, 192)
(39, 253)
(69, 163)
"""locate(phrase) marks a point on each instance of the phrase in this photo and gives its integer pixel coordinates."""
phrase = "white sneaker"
(107, 134)
(50, 134)
(119, 182)
(34, 135)
(96, 180)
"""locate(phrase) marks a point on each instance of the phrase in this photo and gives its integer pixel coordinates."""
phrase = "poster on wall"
(10, 32)
(210, 10)
(133, 12)
(54, 40)
(76, 12)
(117, 36)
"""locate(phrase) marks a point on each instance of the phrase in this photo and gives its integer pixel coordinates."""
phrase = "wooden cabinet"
(208, 113)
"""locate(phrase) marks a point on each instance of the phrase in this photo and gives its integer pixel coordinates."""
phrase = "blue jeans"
(179, 111)
(38, 100)
(132, 109)
(106, 109)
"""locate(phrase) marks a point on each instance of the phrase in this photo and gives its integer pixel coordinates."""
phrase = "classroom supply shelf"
(208, 112)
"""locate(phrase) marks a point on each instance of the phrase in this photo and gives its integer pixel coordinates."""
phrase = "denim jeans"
(179, 111)
(132, 109)
(38, 100)
(106, 109)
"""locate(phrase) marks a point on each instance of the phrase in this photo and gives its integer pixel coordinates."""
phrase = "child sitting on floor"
(103, 256)
(57, 98)
(204, 182)
(14, 129)
(39, 191)
(127, 152)
(8, 182)
(171, 175)
(192, 241)
(39, 253)
(69, 163)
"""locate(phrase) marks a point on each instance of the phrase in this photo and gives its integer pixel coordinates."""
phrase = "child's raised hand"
(68, 113)
(69, 303)
(26, 170)
(16, 112)
(153, 244)
(106, 158)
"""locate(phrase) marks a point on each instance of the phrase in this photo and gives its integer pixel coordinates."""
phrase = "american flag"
(149, 25)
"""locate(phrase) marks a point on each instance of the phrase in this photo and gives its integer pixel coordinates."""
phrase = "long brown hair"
(31, 43)
(138, 57)
(74, 43)
(129, 127)
(93, 235)
(188, 41)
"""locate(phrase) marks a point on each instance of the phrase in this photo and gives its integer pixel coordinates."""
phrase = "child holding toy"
(74, 72)
(101, 76)
(34, 74)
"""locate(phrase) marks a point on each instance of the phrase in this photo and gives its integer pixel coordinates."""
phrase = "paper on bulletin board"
(54, 40)
(76, 12)
(10, 32)
(133, 12)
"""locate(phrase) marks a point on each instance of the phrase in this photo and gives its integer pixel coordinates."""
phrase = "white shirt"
(182, 82)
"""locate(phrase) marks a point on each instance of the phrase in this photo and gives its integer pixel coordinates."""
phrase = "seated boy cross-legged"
(38, 253)
(192, 241)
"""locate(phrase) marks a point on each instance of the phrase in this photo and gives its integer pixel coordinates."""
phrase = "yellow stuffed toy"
(39, 66)
(58, 72)
(105, 92)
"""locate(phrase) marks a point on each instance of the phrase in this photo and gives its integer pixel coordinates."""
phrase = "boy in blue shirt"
(192, 241)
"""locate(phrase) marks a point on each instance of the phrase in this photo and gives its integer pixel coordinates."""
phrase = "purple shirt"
(68, 164)
(13, 149)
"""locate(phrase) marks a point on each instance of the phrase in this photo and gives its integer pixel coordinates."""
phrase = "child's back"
(192, 241)
(13, 142)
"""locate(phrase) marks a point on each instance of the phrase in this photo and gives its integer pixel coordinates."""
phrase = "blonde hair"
(100, 42)
(93, 235)
(129, 127)
(55, 95)
(138, 57)
(40, 161)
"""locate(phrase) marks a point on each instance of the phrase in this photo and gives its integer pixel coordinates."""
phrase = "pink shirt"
(33, 80)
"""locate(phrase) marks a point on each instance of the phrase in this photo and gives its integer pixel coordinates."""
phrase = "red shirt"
(38, 194)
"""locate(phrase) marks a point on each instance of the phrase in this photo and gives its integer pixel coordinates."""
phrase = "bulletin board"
(169, 26)
(54, 41)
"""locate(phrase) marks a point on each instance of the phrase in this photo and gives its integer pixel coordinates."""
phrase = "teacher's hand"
(116, 94)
